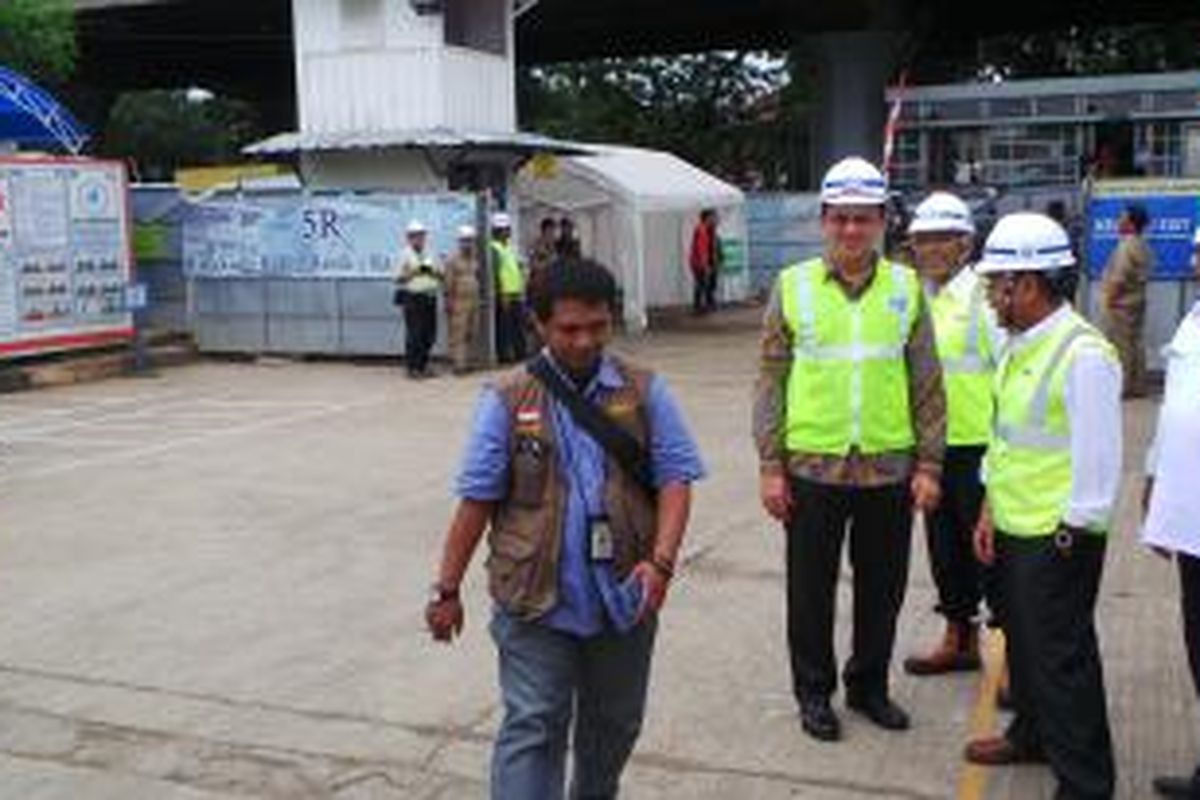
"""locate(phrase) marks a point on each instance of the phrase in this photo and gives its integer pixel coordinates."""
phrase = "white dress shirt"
(1093, 399)
(1173, 518)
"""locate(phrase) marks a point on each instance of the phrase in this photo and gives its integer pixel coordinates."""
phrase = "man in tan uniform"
(1123, 298)
(462, 298)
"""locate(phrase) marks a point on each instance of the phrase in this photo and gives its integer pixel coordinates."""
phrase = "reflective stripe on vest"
(848, 385)
(1029, 465)
(965, 353)
(508, 270)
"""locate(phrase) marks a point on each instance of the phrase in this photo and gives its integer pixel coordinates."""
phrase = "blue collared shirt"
(588, 596)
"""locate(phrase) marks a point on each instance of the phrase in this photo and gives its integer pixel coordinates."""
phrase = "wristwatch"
(441, 594)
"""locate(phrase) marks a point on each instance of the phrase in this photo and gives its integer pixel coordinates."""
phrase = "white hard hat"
(942, 212)
(501, 220)
(854, 182)
(416, 226)
(1026, 242)
(1196, 237)
(466, 232)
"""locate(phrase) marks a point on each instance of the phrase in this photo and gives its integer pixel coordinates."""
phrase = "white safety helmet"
(942, 212)
(501, 221)
(416, 226)
(1026, 242)
(466, 232)
(1196, 237)
(854, 182)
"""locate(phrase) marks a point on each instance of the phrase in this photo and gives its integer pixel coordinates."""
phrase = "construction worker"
(419, 280)
(1123, 297)
(510, 292)
(1052, 471)
(850, 424)
(941, 235)
(581, 464)
(1172, 503)
(462, 298)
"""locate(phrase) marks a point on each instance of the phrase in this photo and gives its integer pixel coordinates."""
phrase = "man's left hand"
(926, 492)
(654, 588)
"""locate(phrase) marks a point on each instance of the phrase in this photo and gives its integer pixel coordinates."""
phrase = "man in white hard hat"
(510, 292)
(1052, 471)
(850, 423)
(418, 281)
(1172, 503)
(462, 298)
(942, 237)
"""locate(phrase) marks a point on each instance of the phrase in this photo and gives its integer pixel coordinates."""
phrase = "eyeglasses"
(842, 219)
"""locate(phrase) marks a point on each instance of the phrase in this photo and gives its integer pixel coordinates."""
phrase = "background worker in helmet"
(420, 279)
(510, 292)
(462, 298)
(850, 423)
(1123, 297)
(941, 235)
(1052, 470)
(1172, 503)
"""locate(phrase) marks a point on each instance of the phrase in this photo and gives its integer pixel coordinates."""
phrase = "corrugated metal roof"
(441, 138)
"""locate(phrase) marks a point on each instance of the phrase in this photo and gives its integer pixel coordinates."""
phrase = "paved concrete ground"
(211, 587)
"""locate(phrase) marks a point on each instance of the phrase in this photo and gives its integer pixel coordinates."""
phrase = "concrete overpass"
(243, 47)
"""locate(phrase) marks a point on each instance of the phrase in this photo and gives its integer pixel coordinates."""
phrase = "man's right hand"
(775, 492)
(985, 538)
(444, 618)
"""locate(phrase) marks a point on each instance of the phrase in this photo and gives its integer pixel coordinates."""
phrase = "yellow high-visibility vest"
(1028, 461)
(848, 385)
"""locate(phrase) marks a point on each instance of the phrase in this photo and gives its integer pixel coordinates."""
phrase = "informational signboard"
(65, 256)
(316, 236)
(1174, 210)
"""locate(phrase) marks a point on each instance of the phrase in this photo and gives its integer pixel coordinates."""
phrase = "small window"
(362, 23)
(478, 25)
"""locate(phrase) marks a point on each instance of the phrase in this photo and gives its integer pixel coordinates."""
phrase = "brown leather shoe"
(996, 751)
(958, 652)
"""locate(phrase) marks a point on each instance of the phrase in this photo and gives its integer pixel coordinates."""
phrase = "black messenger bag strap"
(616, 441)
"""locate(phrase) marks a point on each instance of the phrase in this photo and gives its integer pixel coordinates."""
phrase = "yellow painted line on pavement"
(972, 784)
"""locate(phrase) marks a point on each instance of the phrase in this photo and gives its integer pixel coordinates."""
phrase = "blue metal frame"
(30, 115)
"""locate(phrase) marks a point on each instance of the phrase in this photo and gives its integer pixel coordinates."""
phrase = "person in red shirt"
(705, 262)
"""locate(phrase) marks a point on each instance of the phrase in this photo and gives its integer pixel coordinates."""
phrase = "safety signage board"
(65, 256)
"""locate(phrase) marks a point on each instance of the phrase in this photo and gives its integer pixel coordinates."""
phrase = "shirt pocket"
(532, 460)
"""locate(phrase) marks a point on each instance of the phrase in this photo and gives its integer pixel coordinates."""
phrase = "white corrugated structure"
(635, 211)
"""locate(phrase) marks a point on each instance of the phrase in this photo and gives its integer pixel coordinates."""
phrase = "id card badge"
(602, 540)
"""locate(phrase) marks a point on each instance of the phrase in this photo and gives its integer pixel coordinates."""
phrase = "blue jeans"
(546, 678)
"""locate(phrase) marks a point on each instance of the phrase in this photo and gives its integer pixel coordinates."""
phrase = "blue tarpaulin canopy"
(31, 116)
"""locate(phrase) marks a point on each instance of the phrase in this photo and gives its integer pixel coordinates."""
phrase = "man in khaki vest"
(581, 546)
(462, 298)
(1123, 298)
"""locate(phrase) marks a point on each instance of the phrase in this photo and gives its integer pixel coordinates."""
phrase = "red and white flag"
(893, 123)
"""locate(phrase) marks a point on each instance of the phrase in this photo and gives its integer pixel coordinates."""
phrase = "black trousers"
(879, 522)
(960, 579)
(704, 291)
(1189, 596)
(420, 330)
(1054, 658)
(510, 331)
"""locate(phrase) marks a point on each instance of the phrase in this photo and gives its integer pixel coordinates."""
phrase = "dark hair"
(1137, 216)
(548, 222)
(573, 278)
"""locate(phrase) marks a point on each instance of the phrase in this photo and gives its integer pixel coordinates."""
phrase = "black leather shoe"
(880, 710)
(1180, 788)
(819, 721)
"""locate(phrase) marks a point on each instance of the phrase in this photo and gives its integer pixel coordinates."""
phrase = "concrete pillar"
(853, 72)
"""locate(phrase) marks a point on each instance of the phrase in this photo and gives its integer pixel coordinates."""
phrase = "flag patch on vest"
(529, 418)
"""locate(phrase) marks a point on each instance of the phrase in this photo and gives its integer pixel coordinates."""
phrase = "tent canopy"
(653, 180)
(30, 116)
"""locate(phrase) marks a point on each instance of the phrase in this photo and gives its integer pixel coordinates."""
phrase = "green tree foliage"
(1080, 50)
(163, 129)
(37, 38)
(728, 112)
